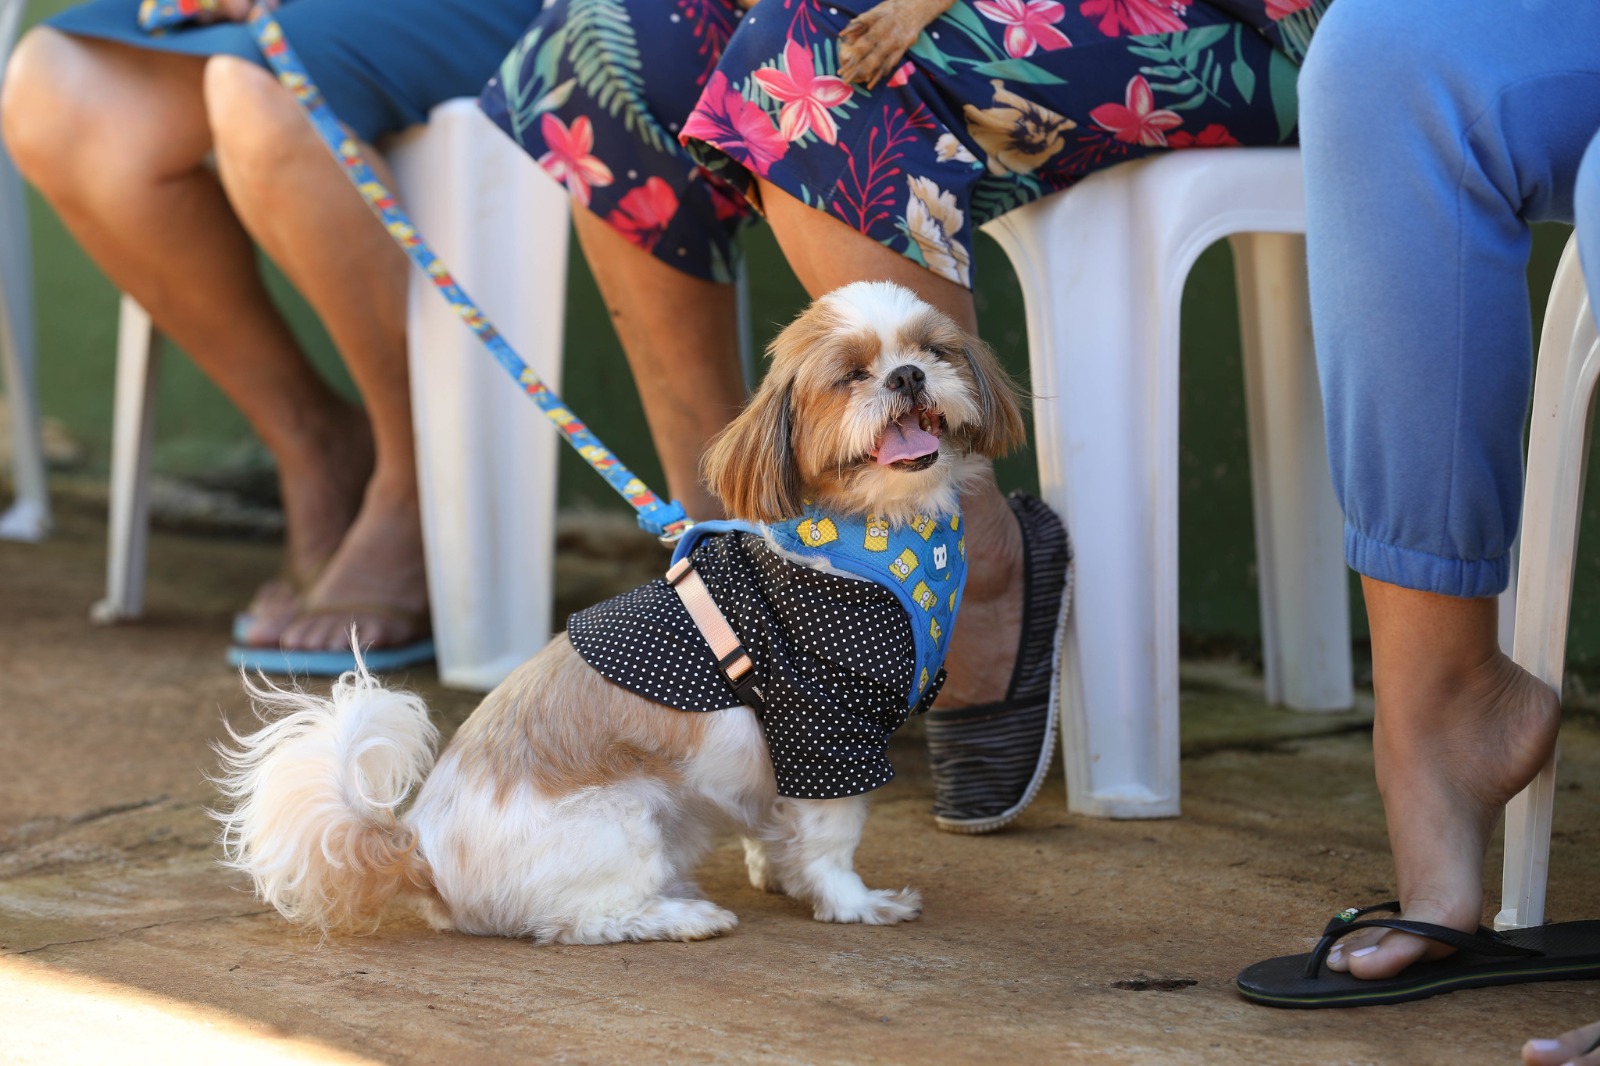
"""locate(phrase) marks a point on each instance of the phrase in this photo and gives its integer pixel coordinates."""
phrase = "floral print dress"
(659, 114)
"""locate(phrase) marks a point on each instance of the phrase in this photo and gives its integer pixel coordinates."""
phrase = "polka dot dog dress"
(843, 661)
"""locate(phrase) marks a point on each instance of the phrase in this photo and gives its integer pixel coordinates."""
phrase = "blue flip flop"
(333, 662)
(329, 663)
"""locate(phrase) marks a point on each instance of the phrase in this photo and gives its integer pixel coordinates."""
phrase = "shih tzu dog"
(754, 688)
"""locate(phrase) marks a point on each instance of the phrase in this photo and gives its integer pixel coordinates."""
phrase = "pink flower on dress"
(1138, 121)
(1213, 136)
(568, 159)
(1136, 17)
(642, 215)
(902, 74)
(806, 95)
(1282, 9)
(1029, 24)
(734, 126)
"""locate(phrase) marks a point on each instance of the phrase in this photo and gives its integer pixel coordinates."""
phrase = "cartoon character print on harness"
(845, 651)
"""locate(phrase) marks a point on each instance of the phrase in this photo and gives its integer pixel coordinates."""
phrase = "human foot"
(271, 608)
(983, 646)
(1446, 775)
(1578, 1047)
(375, 582)
(324, 465)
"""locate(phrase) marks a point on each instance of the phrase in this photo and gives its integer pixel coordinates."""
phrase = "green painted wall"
(200, 436)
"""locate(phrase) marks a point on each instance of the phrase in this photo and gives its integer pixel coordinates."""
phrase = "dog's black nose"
(906, 379)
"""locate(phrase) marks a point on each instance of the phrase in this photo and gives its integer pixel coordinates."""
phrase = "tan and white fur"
(567, 809)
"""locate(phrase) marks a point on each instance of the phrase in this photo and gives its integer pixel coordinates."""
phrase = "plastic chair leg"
(132, 435)
(486, 457)
(1558, 448)
(1305, 603)
(28, 518)
(1100, 442)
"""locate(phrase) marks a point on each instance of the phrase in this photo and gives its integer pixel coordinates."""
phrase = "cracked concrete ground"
(1065, 939)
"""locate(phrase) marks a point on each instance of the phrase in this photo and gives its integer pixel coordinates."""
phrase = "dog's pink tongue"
(905, 439)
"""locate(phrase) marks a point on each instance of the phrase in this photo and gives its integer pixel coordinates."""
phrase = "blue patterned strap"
(157, 15)
(666, 519)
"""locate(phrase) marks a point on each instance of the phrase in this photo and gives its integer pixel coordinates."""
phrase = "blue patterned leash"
(666, 520)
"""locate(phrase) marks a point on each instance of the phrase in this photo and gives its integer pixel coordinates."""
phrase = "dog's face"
(875, 402)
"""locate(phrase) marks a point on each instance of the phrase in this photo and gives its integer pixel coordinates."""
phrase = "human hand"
(875, 41)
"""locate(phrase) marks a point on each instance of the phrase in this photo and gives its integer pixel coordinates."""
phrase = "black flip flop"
(1564, 951)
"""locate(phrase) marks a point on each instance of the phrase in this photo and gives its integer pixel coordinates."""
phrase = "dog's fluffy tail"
(313, 818)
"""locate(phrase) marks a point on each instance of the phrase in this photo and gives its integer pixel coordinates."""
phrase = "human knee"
(44, 103)
(253, 119)
(1364, 67)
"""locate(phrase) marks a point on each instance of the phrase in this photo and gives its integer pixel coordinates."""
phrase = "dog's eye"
(858, 374)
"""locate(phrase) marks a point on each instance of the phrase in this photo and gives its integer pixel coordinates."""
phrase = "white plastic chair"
(1102, 268)
(1558, 450)
(486, 459)
(28, 517)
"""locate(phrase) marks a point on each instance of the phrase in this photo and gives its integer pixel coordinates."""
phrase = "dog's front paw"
(696, 919)
(872, 45)
(877, 906)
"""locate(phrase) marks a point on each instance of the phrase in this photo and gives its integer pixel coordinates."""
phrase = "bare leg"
(116, 139)
(292, 197)
(825, 254)
(1460, 729)
(680, 334)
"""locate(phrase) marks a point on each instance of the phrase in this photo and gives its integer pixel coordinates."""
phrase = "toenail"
(1541, 1044)
(1336, 954)
(1361, 953)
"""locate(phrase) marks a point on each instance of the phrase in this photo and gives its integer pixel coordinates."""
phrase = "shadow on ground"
(1064, 939)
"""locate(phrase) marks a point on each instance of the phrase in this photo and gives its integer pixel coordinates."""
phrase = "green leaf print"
(528, 97)
(556, 97)
(1018, 70)
(1244, 78)
(924, 48)
(1186, 66)
(970, 23)
(1297, 28)
(605, 57)
(1282, 76)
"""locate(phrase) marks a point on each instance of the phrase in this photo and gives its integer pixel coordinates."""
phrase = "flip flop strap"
(1482, 942)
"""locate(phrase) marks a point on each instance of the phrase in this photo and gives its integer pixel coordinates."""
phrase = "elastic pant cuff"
(1423, 571)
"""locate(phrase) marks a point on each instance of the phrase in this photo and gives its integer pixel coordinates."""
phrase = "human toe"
(329, 627)
(1577, 1046)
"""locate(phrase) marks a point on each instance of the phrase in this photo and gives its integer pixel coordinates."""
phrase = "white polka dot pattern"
(834, 656)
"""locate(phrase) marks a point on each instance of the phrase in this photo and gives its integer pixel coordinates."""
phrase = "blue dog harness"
(843, 650)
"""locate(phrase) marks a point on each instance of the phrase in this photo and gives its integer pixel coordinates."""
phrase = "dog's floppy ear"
(750, 466)
(999, 427)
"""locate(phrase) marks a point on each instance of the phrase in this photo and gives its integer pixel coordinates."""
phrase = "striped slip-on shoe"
(988, 762)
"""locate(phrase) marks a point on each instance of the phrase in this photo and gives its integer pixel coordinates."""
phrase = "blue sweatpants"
(1434, 132)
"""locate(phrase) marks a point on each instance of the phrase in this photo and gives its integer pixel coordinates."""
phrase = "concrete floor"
(1064, 939)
